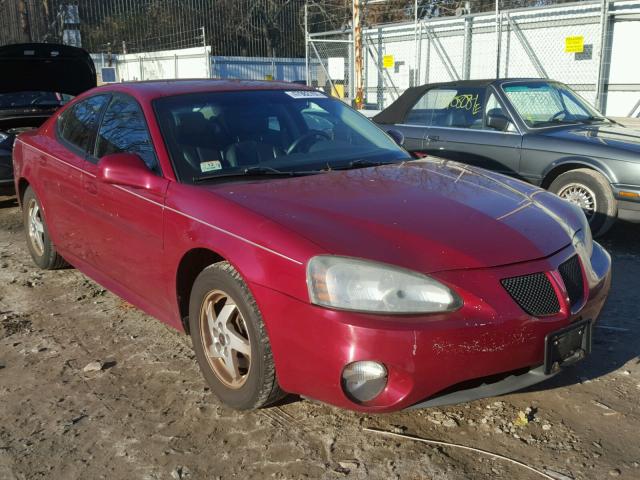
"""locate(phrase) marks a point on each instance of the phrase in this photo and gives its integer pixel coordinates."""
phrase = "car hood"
(427, 215)
(45, 67)
(605, 136)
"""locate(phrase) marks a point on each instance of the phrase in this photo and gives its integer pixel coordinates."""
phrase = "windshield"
(32, 99)
(543, 104)
(218, 133)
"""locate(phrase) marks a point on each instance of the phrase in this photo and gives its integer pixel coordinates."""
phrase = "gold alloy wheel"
(35, 227)
(225, 338)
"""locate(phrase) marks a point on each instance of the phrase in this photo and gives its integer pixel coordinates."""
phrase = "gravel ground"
(144, 412)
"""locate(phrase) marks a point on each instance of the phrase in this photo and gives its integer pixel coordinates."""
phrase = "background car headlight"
(353, 284)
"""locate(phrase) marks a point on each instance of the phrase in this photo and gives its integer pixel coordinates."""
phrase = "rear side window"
(124, 129)
(78, 124)
(458, 107)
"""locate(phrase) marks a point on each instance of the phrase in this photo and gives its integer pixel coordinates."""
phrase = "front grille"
(534, 293)
(571, 274)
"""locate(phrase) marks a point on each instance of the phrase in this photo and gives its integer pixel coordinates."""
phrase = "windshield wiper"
(360, 163)
(254, 172)
(572, 121)
(592, 119)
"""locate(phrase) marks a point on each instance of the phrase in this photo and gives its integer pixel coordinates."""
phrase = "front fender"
(573, 162)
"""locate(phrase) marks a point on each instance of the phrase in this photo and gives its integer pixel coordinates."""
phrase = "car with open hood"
(537, 130)
(35, 80)
(304, 251)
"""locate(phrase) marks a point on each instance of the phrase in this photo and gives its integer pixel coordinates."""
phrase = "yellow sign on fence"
(338, 90)
(574, 44)
(388, 61)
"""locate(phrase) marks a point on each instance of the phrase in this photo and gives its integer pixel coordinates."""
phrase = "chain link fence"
(587, 45)
(538, 44)
(330, 65)
(233, 27)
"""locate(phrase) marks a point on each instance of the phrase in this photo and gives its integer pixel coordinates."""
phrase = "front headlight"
(352, 284)
(3, 137)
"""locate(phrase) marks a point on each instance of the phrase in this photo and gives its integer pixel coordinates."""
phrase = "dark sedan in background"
(35, 80)
(536, 130)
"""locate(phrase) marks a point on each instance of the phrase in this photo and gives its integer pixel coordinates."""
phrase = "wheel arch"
(23, 184)
(191, 264)
(559, 167)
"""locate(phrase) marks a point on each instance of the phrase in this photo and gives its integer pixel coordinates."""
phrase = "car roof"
(151, 89)
(396, 112)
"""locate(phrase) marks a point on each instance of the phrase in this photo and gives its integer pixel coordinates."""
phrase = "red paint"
(466, 227)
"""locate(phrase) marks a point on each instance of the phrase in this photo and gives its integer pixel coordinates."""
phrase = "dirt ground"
(147, 413)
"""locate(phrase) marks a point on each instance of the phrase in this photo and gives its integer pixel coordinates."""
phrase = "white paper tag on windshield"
(306, 94)
(210, 166)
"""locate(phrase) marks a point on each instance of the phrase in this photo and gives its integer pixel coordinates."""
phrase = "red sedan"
(304, 251)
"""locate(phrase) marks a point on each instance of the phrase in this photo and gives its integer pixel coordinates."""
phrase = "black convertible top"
(397, 111)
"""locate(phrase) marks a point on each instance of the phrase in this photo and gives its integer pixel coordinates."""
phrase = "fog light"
(364, 381)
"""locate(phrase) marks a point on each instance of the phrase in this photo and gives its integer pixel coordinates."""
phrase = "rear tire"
(230, 340)
(591, 191)
(39, 243)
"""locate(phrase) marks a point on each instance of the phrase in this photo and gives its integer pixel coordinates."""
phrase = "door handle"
(433, 138)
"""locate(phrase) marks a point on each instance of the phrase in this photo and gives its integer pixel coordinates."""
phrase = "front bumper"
(426, 356)
(628, 197)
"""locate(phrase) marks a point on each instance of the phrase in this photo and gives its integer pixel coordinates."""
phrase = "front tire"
(591, 191)
(39, 243)
(230, 340)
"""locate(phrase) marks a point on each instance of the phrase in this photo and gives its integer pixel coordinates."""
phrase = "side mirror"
(128, 169)
(498, 122)
(396, 135)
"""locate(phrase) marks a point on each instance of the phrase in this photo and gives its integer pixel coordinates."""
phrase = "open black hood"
(45, 67)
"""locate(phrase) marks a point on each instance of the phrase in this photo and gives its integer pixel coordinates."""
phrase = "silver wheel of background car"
(225, 339)
(35, 227)
(582, 196)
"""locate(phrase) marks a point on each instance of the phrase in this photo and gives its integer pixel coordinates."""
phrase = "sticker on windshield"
(306, 94)
(210, 166)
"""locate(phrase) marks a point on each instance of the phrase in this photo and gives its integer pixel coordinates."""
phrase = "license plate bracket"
(567, 346)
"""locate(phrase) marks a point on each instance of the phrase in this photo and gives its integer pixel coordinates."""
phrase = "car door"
(416, 124)
(460, 129)
(62, 172)
(125, 241)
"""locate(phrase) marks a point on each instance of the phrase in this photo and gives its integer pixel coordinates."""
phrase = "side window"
(273, 124)
(124, 129)
(78, 124)
(496, 117)
(493, 107)
(449, 107)
(316, 121)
